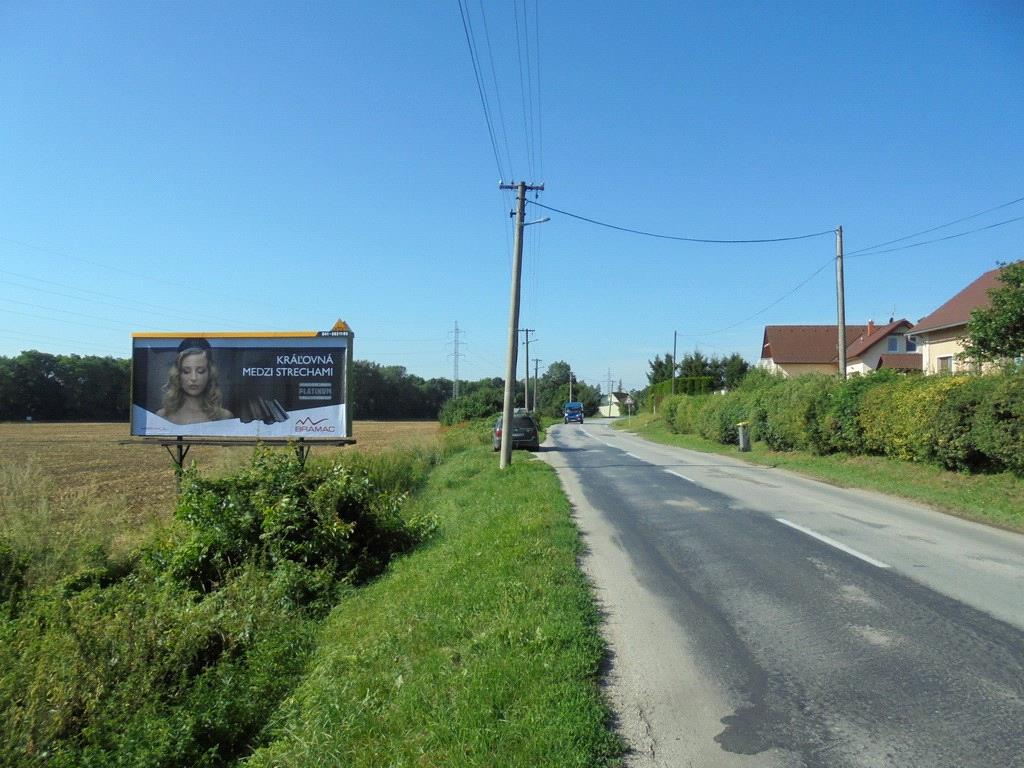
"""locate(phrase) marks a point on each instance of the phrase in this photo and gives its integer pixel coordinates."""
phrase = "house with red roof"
(886, 346)
(794, 350)
(939, 336)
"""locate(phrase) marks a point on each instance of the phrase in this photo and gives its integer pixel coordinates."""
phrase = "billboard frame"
(259, 402)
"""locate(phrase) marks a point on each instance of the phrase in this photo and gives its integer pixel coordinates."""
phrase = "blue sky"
(277, 166)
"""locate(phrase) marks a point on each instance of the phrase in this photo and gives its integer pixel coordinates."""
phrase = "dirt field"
(89, 460)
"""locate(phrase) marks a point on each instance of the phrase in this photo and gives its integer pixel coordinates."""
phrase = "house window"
(945, 364)
(894, 344)
(911, 343)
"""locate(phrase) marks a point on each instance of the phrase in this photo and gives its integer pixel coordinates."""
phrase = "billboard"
(256, 385)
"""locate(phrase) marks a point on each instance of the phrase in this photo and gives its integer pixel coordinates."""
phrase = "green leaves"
(997, 332)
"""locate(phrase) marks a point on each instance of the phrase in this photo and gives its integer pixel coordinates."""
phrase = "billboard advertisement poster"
(255, 385)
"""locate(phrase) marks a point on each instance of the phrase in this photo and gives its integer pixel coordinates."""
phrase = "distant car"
(573, 411)
(525, 433)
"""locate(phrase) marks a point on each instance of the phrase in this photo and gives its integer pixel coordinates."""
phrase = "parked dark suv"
(525, 433)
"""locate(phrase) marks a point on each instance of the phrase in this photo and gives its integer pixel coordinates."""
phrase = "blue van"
(573, 411)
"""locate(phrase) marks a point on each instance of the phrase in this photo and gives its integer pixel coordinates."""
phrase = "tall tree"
(996, 332)
(661, 370)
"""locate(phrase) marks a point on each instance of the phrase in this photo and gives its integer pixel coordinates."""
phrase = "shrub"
(999, 422)
(956, 442)
(840, 428)
(180, 657)
(791, 411)
(329, 518)
(668, 411)
(719, 416)
(688, 411)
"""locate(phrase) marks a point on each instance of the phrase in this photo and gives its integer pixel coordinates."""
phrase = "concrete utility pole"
(570, 385)
(526, 367)
(841, 303)
(675, 335)
(536, 365)
(513, 319)
(456, 355)
(609, 393)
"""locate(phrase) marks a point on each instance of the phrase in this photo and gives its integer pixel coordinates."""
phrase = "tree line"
(39, 386)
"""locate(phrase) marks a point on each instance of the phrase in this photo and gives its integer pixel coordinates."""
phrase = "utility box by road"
(743, 435)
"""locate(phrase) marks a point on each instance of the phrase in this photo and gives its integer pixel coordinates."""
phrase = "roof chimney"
(871, 327)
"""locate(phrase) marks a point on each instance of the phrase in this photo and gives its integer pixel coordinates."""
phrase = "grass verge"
(480, 649)
(994, 499)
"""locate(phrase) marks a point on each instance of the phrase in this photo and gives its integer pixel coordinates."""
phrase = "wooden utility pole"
(840, 303)
(513, 319)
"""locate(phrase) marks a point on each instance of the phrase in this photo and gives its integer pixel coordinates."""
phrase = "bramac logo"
(308, 425)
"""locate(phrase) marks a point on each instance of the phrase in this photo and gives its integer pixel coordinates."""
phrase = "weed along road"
(756, 618)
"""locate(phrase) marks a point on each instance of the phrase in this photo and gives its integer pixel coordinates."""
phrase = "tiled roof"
(805, 343)
(864, 342)
(957, 311)
(910, 361)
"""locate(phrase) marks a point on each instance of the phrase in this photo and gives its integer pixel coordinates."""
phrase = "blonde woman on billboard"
(191, 394)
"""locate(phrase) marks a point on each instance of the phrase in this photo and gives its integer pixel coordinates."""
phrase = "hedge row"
(964, 423)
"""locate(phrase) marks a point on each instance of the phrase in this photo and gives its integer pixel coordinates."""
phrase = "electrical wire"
(497, 90)
(467, 27)
(933, 229)
(675, 237)
(525, 90)
(937, 239)
(769, 306)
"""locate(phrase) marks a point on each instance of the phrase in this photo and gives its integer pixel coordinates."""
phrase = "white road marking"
(834, 543)
(684, 477)
(633, 455)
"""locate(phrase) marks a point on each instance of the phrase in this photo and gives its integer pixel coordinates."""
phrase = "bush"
(688, 412)
(840, 428)
(999, 422)
(719, 416)
(669, 405)
(479, 404)
(956, 441)
(792, 411)
(180, 657)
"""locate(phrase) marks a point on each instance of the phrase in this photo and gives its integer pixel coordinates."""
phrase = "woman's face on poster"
(195, 373)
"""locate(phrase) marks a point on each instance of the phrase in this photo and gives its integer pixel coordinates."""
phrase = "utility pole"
(609, 393)
(456, 355)
(841, 303)
(570, 385)
(526, 394)
(536, 365)
(675, 364)
(513, 319)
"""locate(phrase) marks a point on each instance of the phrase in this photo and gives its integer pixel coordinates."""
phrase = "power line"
(937, 239)
(467, 27)
(526, 91)
(676, 237)
(777, 301)
(497, 90)
(940, 226)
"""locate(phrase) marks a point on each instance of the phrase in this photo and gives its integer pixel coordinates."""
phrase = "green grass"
(995, 499)
(480, 649)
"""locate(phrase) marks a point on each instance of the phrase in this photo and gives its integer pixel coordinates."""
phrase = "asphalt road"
(756, 618)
